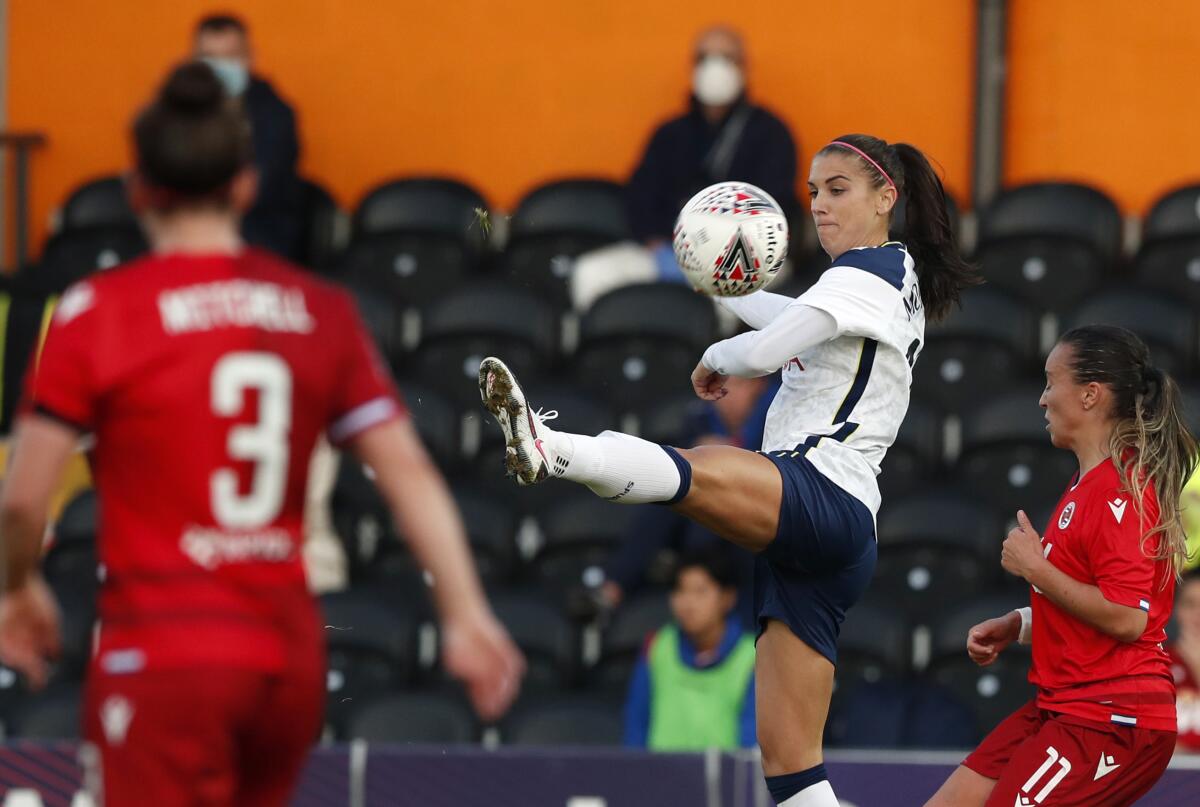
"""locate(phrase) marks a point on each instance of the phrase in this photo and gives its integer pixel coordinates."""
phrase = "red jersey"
(1095, 537)
(1187, 701)
(206, 381)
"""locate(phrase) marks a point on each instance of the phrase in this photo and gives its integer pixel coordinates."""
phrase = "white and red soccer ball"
(731, 239)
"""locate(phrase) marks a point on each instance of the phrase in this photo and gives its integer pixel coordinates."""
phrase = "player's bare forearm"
(425, 513)
(1086, 603)
(41, 448)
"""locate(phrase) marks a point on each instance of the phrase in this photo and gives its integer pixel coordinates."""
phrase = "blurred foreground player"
(1102, 728)
(206, 372)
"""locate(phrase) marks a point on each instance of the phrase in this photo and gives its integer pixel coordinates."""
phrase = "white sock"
(619, 467)
(818, 795)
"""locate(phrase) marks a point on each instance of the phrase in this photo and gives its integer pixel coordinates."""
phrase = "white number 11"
(265, 442)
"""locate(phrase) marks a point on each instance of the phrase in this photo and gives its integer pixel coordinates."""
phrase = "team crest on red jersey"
(1064, 518)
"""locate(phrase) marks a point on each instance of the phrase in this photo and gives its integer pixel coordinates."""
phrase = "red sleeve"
(62, 380)
(365, 395)
(1124, 572)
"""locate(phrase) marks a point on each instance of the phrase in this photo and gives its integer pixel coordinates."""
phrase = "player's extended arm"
(475, 647)
(29, 632)
(1023, 556)
(762, 352)
(758, 309)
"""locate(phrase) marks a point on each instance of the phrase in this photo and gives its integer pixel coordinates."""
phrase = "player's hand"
(708, 384)
(986, 640)
(29, 631)
(1022, 553)
(478, 651)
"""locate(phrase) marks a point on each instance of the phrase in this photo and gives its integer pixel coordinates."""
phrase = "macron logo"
(1107, 765)
(1117, 506)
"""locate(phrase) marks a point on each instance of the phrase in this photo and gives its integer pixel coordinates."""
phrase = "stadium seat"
(371, 650)
(1052, 273)
(71, 560)
(1167, 325)
(668, 420)
(491, 524)
(71, 255)
(51, 715)
(992, 692)
(1007, 458)
(101, 202)
(464, 327)
(438, 421)
(1169, 258)
(1175, 214)
(430, 718)
(429, 205)
(406, 269)
(13, 696)
(384, 321)
(581, 532)
(321, 226)
(915, 458)
(978, 351)
(640, 343)
(936, 549)
(624, 638)
(557, 222)
(900, 714)
(1054, 210)
(565, 721)
(374, 550)
(875, 643)
(77, 611)
(544, 634)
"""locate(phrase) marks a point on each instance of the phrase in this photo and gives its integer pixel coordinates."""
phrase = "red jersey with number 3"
(1096, 537)
(206, 380)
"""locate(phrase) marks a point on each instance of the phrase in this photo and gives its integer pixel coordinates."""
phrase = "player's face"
(848, 210)
(1187, 610)
(698, 602)
(1063, 399)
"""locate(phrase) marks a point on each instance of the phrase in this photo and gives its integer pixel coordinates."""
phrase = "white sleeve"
(757, 309)
(1026, 635)
(861, 303)
(762, 352)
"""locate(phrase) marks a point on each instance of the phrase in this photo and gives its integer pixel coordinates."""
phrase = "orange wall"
(1104, 91)
(505, 95)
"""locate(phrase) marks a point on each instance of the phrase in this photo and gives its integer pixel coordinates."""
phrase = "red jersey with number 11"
(206, 380)
(1096, 536)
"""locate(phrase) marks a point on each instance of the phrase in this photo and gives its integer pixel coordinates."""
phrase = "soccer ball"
(731, 239)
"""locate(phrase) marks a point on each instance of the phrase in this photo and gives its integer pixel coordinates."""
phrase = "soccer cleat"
(529, 455)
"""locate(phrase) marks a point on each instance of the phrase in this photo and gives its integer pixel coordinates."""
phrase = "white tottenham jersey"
(842, 401)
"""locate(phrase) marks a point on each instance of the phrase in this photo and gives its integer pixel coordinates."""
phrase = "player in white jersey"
(806, 504)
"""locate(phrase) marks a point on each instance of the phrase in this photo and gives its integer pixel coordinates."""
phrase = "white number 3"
(265, 443)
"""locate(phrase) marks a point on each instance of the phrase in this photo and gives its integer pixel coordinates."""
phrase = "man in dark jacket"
(275, 220)
(722, 137)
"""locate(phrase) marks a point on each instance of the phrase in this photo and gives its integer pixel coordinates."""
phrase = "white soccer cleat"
(529, 455)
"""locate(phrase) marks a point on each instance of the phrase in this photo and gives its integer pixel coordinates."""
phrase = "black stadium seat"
(55, 714)
(632, 624)
(668, 420)
(554, 224)
(71, 255)
(978, 351)
(71, 560)
(321, 225)
(1007, 458)
(915, 458)
(581, 532)
(1176, 214)
(424, 205)
(461, 329)
(875, 643)
(101, 202)
(565, 721)
(371, 650)
(491, 523)
(900, 714)
(544, 634)
(936, 549)
(430, 718)
(383, 319)
(1167, 325)
(640, 343)
(1051, 243)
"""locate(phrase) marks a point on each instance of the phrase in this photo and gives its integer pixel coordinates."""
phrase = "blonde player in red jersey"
(206, 371)
(1102, 728)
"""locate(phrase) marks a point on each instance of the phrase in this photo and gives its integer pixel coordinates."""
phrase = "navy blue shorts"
(821, 560)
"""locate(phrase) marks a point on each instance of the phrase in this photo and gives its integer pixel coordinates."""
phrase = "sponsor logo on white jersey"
(1117, 506)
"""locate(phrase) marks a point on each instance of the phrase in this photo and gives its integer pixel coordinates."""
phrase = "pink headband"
(863, 154)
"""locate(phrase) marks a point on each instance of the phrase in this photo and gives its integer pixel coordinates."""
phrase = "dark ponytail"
(941, 268)
(1150, 442)
(191, 140)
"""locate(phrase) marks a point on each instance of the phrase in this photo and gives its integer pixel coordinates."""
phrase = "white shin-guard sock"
(621, 468)
(818, 795)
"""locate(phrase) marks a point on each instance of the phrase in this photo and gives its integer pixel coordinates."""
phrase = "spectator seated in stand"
(693, 686)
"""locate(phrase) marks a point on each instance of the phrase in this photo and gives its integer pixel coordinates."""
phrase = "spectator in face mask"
(722, 136)
(274, 222)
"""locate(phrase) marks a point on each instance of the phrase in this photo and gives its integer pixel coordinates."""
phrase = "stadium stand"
(570, 721)
(414, 717)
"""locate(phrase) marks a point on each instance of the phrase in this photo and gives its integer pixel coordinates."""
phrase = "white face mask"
(232, 73)
(716, 81)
